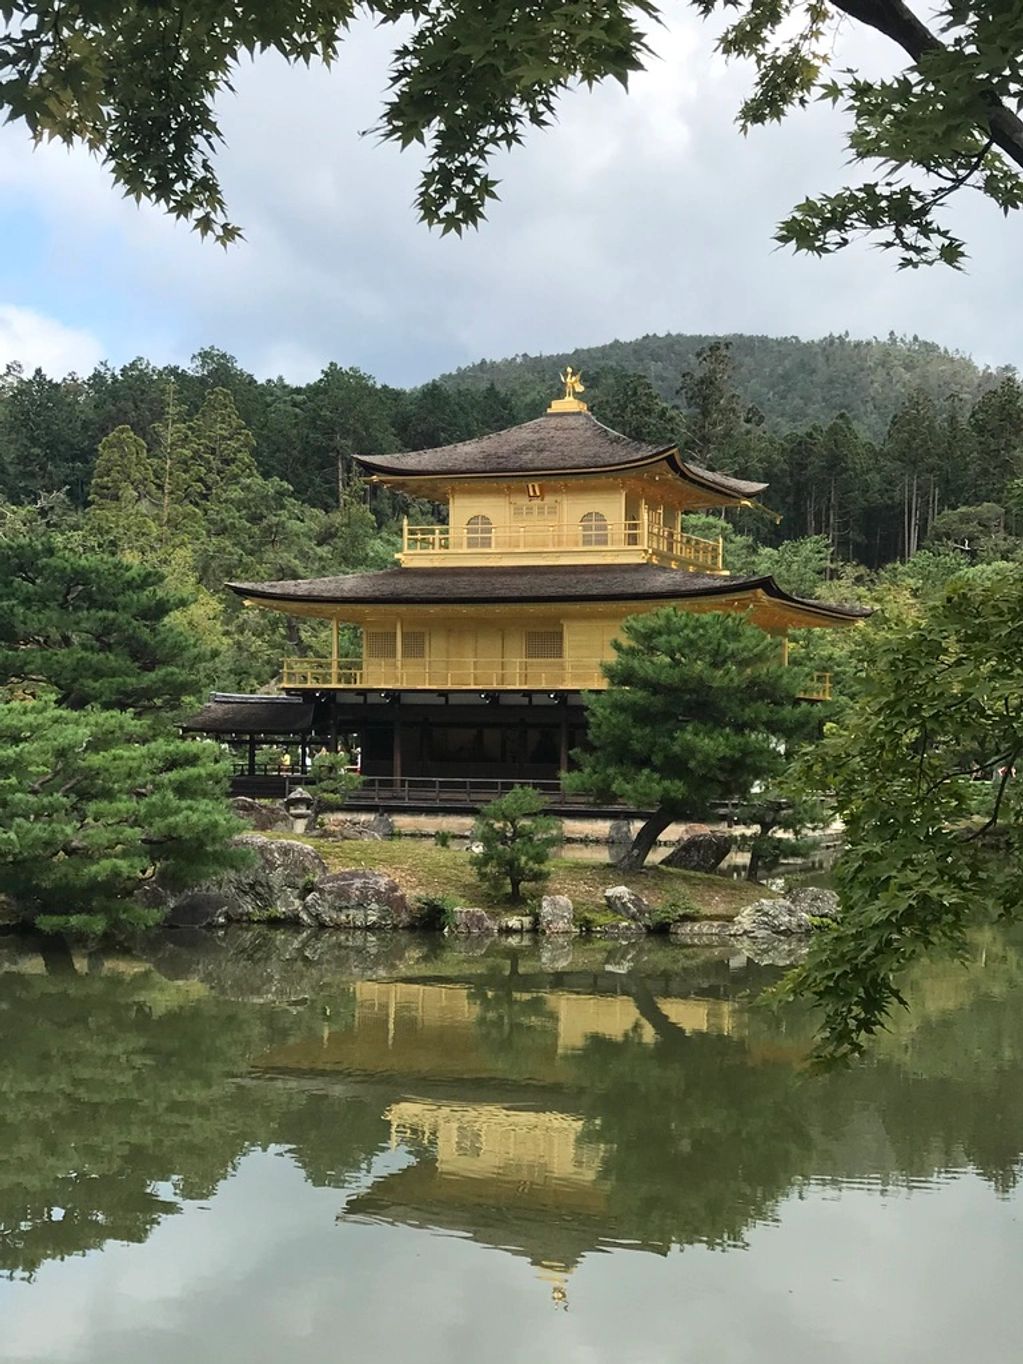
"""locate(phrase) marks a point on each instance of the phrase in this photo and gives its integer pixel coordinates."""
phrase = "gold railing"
(818, 689)
(533, 539)
(470, 674)
(465, 674)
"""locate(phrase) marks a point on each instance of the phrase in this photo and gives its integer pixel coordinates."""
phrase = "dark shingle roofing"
(563, 442)
(233, 714)
(535, 583)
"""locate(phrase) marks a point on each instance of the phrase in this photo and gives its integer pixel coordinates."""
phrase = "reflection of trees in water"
(119, 1101)
(125, 1092)
(513, 1025)
(699, 1141)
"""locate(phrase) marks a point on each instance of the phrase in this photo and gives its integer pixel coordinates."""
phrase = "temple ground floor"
(411, 747)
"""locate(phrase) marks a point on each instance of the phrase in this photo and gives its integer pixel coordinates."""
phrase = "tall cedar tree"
(122, 495)
(91, 630)
(222, 443)
(699, 710)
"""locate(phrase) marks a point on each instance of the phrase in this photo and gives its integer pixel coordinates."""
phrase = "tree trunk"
(643, 843)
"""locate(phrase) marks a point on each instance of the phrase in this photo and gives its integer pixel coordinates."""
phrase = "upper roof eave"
(551, 585)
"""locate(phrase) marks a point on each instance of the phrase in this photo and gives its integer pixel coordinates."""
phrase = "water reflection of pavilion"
(500, 1155)
(440, 1031)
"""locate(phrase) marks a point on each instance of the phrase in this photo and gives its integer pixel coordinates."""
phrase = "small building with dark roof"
(475, 650)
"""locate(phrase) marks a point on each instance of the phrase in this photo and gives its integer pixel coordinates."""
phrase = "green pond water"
(276, 1147)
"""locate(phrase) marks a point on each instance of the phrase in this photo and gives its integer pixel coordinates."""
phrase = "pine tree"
(92, 629)
(92, 807)
(517, 838)
(698, 711)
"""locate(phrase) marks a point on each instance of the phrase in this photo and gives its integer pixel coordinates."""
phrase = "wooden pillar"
(396, 749)
(334, 649)
(332, 740)
(563, 758)
(252, 755)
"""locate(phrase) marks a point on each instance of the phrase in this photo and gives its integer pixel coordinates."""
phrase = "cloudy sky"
(640, 212)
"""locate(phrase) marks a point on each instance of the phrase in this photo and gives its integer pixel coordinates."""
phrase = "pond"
(272, 1147)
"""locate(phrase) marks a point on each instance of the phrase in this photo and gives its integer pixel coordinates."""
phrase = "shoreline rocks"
(801, 912)
(627, 904)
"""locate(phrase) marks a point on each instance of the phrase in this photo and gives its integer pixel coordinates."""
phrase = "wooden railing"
(690, 550)
(450, 674)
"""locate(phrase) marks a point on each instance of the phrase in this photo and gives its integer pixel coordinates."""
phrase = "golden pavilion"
(476, 647)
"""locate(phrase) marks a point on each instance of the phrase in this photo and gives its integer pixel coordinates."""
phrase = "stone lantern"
(299, 806)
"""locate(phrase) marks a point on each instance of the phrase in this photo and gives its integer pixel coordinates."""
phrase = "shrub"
(516, 839)
(442, 838)
(680, 909)
(333, 779)
(433, 911)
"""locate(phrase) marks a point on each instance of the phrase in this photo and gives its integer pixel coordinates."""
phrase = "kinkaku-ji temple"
(477, 647)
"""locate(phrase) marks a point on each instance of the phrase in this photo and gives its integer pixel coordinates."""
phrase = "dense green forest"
(210, 474)
(793, 383)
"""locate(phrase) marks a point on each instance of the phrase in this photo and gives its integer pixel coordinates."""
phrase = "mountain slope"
(794, 383)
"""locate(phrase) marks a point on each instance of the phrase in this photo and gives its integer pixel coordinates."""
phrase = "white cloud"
(639, 212)
(37, 341)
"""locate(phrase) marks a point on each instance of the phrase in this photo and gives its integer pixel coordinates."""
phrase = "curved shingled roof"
(557, 443)
(538, 583)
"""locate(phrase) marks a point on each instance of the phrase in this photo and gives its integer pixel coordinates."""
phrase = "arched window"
(594, 526)
(479, 533)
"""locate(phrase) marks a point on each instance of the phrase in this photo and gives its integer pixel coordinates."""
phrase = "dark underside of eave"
(523, 585)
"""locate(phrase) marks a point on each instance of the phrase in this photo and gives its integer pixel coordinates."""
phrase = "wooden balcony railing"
(458, 674)
(664, 541)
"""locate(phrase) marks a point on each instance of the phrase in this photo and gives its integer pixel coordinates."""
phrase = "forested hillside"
(793, 383)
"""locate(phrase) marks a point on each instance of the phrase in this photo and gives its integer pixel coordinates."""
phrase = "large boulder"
(358, 899)
(471, 922)
(555, 915)
(627, 904)
(374, 830)
(516, 923)
(262, 816)
(797, 914)
(272, 887)
(700, 850)
(815, 902)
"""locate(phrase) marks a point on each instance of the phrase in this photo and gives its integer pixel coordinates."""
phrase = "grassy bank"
(422, 868)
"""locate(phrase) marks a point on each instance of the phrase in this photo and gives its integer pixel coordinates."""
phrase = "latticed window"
(534, 511)
(381, 644)
(413, 644)
(545, 643)
(594, 528)
(479, 532)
